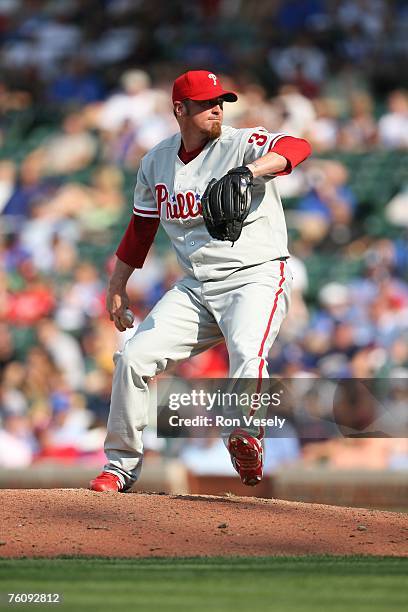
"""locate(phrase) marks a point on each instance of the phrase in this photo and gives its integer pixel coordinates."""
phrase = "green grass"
(333, 584)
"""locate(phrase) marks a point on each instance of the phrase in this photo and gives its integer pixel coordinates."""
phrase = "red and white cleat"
(247, 456)
(106, 481)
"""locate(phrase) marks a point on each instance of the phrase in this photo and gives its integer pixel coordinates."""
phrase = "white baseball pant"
(246, 309)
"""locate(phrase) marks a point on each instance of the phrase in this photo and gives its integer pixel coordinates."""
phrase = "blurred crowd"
(85, 92)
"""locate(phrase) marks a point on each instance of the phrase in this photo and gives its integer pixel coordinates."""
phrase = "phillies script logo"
(184, 205)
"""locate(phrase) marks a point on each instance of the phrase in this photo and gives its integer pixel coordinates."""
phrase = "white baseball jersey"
(171, 190)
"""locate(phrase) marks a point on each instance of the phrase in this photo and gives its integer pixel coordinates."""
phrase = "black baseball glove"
(226, 203)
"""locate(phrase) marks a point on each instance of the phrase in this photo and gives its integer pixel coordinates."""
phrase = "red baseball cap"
(200, 85)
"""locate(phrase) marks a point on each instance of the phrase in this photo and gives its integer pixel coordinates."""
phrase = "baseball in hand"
(128, 318)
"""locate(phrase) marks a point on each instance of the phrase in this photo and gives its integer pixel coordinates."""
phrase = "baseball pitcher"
(212, 189)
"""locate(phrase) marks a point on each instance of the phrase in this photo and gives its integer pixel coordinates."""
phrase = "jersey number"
(258, 139)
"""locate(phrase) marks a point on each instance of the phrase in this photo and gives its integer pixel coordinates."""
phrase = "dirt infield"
(51, 522)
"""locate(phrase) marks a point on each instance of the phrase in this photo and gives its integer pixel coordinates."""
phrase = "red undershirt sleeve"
(295, 150)
(137, 240)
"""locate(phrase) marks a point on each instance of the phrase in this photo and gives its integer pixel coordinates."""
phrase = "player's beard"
(215, 130)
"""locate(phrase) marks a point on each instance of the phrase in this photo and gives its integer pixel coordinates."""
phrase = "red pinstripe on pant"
(265, 336)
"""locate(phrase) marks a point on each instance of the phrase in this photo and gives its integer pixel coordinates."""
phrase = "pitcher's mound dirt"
(44, 523)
